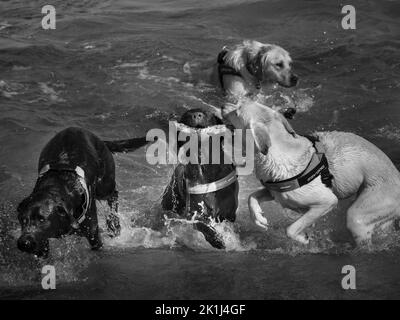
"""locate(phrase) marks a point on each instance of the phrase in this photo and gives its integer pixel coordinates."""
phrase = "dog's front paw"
(113, 225)
(300, 237)
(261, 221)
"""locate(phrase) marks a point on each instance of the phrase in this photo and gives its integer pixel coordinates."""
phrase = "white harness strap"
(213, 186)
(81, 178)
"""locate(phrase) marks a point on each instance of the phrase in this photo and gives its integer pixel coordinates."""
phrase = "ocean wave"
(32, 54)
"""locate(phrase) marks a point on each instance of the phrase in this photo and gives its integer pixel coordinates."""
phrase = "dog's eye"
(41, 219)
(61, 211)
(279, 65)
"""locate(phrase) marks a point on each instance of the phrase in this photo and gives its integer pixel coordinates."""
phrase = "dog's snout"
(289, 113)
(26, 243)
(294, 79)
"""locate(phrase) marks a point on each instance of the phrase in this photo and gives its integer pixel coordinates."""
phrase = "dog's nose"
(198, 116)
(26, 243)
(289, 113)
(294, 79)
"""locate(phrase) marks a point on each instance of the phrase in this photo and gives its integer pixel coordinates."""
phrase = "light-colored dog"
(242, 70)
(358, 167)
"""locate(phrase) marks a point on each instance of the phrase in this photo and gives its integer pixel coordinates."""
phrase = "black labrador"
(220, 204)
(75, 169)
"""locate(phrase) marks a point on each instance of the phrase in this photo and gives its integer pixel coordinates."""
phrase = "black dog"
(220, 204)
(75, 169)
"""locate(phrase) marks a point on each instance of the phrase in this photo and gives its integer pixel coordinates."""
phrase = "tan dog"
(358, 167)
(242, 70)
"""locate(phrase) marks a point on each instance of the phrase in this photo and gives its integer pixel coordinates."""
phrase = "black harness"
(224, 69)
(318, 166)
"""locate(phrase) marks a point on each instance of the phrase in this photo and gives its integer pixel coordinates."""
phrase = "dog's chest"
(267, 169)
(236, 86)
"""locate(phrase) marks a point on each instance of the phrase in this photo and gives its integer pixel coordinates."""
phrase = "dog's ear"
(256, 64)
(261, 136)
(236, 58)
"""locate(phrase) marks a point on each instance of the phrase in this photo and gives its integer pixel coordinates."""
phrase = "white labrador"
(359, 168)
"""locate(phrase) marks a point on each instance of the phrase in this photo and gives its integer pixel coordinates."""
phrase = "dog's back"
(356, 162)
(78, 147)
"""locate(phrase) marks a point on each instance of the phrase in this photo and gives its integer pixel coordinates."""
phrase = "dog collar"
(318, 166)
(82, 180)
(213, 186)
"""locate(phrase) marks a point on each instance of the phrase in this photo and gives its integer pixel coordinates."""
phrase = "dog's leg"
(211, 235)
(296, 230)
(112, 219)
(113, 201)
(373, 208)
(173, 198)
(256, 212)
(91, 228)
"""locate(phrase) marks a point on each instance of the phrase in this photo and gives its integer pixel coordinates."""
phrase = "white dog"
(241, 70)
(310, 176)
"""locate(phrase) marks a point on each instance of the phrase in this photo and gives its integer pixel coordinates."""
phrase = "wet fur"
(360, 170)
(58, 196)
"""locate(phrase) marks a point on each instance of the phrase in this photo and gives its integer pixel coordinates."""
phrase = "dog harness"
(318, 166)
(224, 69)
(81, 178)
(209, 187)
(213, 186)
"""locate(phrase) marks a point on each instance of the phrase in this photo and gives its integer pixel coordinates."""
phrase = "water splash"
(175, 232)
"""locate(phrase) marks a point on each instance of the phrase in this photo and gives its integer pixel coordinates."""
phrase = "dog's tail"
(126, 145)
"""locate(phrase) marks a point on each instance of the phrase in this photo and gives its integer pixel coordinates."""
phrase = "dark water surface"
(120, 68)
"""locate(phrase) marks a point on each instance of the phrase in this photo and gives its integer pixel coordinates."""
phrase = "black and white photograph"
(199, 154)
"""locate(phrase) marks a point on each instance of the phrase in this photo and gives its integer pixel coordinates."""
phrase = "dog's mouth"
(291, 82)
(283, 84)
(200, 129)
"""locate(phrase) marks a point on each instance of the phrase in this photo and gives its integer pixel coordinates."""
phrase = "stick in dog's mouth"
(212, 130)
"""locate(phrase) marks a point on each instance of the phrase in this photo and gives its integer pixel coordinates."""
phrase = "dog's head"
(199, 118)
(266, 124)
(42, 216)
(266, 62)
(273, 64)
